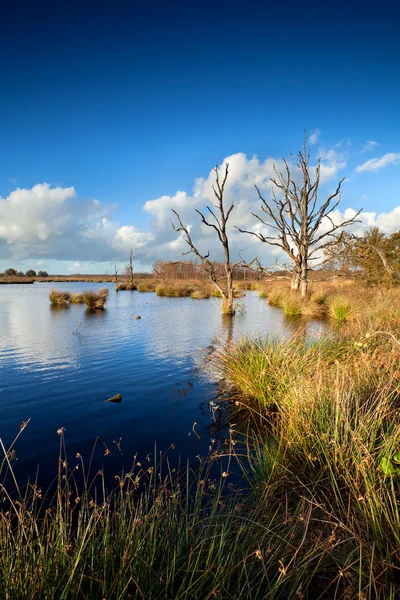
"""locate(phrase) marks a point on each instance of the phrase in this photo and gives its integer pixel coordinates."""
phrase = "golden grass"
(95, 300)
(76, 298)
(147, 285)
(58, 297)
(200, 294)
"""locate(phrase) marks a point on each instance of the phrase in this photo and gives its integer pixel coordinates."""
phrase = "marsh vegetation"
(301, 498)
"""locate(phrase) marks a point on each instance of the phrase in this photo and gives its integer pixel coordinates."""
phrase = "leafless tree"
(296, 215)
(116, 276)
(223, 284)
(129, 268)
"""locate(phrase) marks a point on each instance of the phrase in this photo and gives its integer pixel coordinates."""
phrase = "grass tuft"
(95, 300)
(59, 298)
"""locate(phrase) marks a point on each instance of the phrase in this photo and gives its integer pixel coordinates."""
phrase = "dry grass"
(200, 294)
(331, 410)
(95, 300)
(129, 286)
(177, 289)
(59, 298)
(147, 285)
(76, 298)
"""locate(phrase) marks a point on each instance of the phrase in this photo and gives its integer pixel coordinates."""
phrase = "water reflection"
(60, 379)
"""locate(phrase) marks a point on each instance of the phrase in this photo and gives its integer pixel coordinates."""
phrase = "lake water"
(58, 379)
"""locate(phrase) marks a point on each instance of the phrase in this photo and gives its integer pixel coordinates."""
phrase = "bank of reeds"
(59, 298)
(337, 303)
(161, 535)
(315, 514)
(331, 409)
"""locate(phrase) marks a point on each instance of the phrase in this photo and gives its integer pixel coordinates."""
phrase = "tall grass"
(332, 439)
(157, 535)
(275, 297)
(340, 308)
(292, 304)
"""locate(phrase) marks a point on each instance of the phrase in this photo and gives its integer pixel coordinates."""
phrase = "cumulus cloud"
(369, 145)
(314, 136)
(52, 223)
(374, 164)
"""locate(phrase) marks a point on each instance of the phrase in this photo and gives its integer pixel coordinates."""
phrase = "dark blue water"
(58, 379)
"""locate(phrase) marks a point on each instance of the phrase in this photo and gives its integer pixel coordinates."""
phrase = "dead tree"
(295, 215)
(129, 269)
(116, 276)
(225, 288)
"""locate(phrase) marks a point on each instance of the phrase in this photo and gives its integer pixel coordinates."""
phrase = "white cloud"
(387, 222)
(48, 223)
(314, 136)
(369, 145)
(331, 163)
(374, 164)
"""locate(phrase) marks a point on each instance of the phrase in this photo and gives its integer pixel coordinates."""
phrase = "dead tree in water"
(225, 288)
(296, 216)
(116, 276)
(129, 269)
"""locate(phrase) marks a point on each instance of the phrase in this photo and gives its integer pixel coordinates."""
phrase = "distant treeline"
(187, 269)
(30, 273)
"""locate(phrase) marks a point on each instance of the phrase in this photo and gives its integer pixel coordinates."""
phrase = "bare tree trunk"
(219, 224)
(116, 276)
(304, 280)
(228, 301)
(295, 283)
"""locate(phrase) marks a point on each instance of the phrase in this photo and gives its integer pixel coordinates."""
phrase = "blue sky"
(129, 102)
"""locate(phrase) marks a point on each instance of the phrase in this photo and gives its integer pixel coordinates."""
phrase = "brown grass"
(95, 300)
(76, 298)
(58, 297)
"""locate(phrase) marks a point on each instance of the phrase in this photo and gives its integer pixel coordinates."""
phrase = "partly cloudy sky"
(105, 128)
(53, 225)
